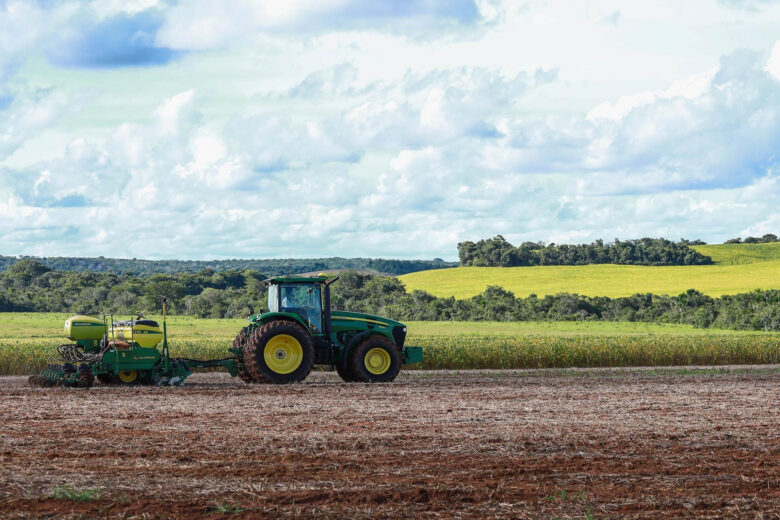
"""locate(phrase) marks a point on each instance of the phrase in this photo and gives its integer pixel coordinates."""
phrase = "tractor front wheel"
(376, 360)
(345, 371)
(279, 352)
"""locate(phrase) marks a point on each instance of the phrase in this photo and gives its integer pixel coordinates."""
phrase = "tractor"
(301, 330)
(280, 346)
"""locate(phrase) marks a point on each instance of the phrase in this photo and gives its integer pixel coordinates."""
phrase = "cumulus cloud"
(25, 112)
(21, 27)
(441, 155)
(203, 24)
(418, 111)
(724, 136)
(121, 40)
(773, 65)
(75, 34)
(338, 156)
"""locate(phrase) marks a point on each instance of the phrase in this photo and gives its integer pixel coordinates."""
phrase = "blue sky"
(200, 130)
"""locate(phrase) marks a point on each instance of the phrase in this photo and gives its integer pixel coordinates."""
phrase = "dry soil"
(517, 444)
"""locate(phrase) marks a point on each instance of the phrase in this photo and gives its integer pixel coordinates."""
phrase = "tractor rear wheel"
(376, 360)
(240, 343)
(279, 352)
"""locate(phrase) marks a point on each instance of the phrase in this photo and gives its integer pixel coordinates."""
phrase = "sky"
(264, 129)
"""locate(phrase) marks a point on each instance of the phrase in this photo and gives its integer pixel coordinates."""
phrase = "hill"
(735, 254)
(738, 268)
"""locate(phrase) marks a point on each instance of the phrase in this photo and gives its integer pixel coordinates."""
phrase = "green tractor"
(300, 330)
(281, 346)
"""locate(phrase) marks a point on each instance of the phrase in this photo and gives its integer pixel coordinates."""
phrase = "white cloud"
(688, 88)
(343, 136)
(204, 25)
(773, 65)
(176, 113)
(328, 179)
(29, 112)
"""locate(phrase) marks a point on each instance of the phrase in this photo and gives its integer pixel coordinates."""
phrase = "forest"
(498, 252)
(493, 252)
(272, 267)
(30, 286)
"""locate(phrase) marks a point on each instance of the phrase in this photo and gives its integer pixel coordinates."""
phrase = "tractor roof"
(297, 279)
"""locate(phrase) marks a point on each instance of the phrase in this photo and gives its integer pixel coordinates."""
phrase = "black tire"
(240, 343)
(107, 379)
(255, 352)
(360, 360)
(86, 379)
(345, 371)
(145, 377)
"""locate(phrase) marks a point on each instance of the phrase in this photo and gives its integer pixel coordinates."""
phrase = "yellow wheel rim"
(283, 354)
(377, 361)
(128, 376)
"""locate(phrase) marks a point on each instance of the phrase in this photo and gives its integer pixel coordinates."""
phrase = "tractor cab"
(302, 296)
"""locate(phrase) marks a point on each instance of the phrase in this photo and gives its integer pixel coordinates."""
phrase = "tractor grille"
(399, 335)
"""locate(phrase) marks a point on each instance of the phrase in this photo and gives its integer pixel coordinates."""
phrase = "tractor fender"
(289, 316)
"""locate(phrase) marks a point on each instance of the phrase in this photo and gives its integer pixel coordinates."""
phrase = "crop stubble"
(434, 444)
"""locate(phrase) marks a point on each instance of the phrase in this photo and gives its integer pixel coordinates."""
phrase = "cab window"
(273, 298)
(304, 300)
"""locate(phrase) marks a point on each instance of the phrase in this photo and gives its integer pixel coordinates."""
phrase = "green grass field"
(28, 340)
(738, 268)
(49, 325)
(733, 254)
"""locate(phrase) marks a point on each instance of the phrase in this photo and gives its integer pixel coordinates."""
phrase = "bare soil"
(517, 444)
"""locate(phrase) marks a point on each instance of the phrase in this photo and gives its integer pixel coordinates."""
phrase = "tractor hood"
(343, 320)
(351, 318)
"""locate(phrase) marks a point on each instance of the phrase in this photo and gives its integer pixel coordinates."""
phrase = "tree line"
(32, 287)
(271, 267)
(492, 252)
(766, 239)
(498, 252)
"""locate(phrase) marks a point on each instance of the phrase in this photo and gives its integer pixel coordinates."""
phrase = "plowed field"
(519, 444)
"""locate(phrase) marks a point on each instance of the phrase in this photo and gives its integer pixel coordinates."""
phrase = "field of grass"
(734, 254)
(598, 280)
(457, 329)
(28, 340)
(739, 268)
